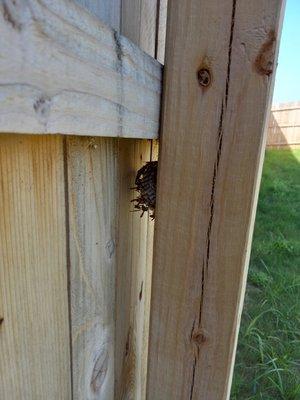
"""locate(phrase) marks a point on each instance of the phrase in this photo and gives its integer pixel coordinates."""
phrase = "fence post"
(220, 64)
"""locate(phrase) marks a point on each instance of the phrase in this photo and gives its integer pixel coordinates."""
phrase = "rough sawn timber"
(110, 246)
(34, 323)
(139, 23)
(209, 171)
(63, 71)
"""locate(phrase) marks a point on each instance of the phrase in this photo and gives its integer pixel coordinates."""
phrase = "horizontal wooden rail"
(63, 71)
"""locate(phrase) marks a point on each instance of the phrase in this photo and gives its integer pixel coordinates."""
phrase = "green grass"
(268, 356)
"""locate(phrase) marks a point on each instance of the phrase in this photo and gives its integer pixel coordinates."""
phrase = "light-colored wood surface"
(132, 286)
(134, 271)
(92, 165)
(107, 11)
(135, 234)
(161, 34)
(210, 166)
(92, 184)
(284, 125)
(34, 329)
(139, 23)
(63, 71)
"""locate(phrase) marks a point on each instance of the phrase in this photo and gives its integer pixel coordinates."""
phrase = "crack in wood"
(220, 136)
(193, 379)
(202, 295)
(128, 378)
(128, 343)
(192, 330)
(141, 291)
(230, 49)
(200, 338)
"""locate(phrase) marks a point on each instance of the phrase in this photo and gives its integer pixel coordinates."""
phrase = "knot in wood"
(198, 337)
(99, 371)
(204, 77)
(265, 58)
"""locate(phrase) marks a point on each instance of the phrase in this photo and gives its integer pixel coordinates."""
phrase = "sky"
(287, 83)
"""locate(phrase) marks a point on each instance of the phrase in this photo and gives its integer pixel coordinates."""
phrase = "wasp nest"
(145, 185)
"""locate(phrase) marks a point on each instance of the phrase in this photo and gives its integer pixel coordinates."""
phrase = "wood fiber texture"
(63, 71)
(34, 332)
(209, 172)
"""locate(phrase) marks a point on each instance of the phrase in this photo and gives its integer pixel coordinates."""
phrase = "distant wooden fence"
(284, 125)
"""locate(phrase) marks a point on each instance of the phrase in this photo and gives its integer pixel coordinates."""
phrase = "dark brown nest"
(145, 185)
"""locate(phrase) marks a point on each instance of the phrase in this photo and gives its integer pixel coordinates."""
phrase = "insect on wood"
(145, 185)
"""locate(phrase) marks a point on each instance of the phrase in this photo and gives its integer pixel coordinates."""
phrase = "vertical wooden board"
(161, 34)
(135, 234)
(107, 11)
(92, 180)
(131, 19)
(149, 25)
(34, 331)
(92, 209)
(133, 283)
(144, 22)
(210, 165)
(139, 22)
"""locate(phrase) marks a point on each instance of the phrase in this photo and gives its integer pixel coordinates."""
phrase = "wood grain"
(63, 71)
(139, 23)
(209, 172)
(90, 180)
(284, 125)
(92, 211)
(92, 165)
(34, 333)
(161, 33)
(107, 11)
(135, 234)
(133, 284)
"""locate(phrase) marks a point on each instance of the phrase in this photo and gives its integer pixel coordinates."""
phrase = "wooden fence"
(86, 312)
(284, 125)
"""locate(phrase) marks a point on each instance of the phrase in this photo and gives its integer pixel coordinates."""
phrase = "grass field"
(268, 356)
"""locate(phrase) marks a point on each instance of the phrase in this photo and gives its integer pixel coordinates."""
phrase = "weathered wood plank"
(34, 329)
(135, 234)
(92, 209)
(107, 11)
(162, 26)
(210, 165)
(93, 178)
(63, 71)
(139, 23)
(133, 284)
